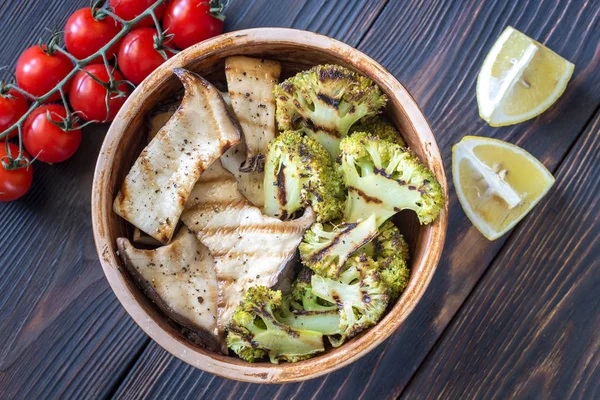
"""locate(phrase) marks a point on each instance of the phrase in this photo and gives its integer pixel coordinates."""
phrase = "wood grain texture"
(348, 21)
(82, 340)
(63, 331)
(64, 334)
(436, 49)
(530, 328)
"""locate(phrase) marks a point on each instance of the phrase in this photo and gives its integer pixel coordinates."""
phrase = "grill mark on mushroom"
(249, 248)
(250, 82)
(175, 277)
(157, 187)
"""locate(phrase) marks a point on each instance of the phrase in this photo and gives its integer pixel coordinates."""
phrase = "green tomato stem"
(78, 65)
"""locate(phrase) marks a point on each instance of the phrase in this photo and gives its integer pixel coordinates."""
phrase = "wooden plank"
(63, 331)
(28, 20)
(64, 334)
(348, 21)
(530, 328)
(436, 50)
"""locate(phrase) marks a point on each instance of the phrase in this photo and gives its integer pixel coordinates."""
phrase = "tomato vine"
(69, 122)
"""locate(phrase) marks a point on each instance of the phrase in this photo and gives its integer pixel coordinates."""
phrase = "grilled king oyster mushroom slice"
(159, 119)
(249, 248)
(250, 184)
(214, 191)
(250, 82)
(142, 238)
(160, 116)
(158, 185)
(180, 279)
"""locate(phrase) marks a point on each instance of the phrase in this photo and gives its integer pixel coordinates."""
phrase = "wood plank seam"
(117, 384)
(373, 21)
(500, 252)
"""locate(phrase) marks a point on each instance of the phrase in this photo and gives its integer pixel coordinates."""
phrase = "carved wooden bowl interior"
(296, 50)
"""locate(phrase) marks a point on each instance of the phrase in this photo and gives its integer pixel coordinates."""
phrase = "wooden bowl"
(296, 50)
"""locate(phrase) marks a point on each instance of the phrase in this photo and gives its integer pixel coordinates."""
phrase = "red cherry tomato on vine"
(38, 72)
(12, 107)
(14, 183)
(85, 35)
(45, 140)
(129, 9)
(191, 21)
(137, 55)
(88, 97)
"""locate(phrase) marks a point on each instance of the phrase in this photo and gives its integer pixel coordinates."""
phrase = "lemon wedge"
(519, 79)
(497, 183)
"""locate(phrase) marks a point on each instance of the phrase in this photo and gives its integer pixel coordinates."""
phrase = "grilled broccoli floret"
(326, 322)
(325, 248)
(384, 178)
(254, 332)
(299, 173)
(377, 126)
(390, 252)
(360, 294)
(325, 102)
(303, 299)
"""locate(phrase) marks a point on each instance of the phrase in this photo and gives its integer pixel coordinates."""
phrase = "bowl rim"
(229, 367)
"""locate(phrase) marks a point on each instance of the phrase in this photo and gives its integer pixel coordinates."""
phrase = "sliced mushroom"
(142, 238)
(180, 279)
(158, 120)
(214, 191)
(158, 185)
(250, 184)
(226, 98)
(250, 82)
(249, 248)
(161, 115)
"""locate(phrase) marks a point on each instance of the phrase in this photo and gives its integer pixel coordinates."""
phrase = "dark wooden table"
(518, 317)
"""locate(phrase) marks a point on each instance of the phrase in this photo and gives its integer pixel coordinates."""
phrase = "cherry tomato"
(48, 142)
(88, 97)
(129, 9)
(85, 35)
(190, 21)
(12, 107)
(38, 72)
(137, 55)
(14, 183)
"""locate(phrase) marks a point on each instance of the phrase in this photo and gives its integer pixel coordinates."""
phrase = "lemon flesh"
(497, 183)
(520, 79)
